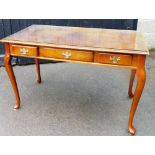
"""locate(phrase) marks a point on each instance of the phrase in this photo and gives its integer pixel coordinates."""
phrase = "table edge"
(107, 50)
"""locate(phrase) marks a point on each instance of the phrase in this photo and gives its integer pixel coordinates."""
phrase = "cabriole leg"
(9, 70)
(132, 77)
(38, 70)
(141, 77)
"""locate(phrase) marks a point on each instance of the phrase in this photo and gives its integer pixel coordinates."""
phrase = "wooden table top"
(94, 39)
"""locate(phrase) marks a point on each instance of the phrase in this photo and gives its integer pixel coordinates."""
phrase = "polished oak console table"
(116, 48)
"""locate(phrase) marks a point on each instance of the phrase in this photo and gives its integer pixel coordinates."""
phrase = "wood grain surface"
(94, 39)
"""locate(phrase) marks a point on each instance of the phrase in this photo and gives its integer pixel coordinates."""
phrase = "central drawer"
(66, 54)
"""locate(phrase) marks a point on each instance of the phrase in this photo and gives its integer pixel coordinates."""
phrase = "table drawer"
(23, 50)
(66, 54)
(122, 59)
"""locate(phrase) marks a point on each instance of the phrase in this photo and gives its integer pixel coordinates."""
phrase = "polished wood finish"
(118, 59)
(9, 70)
(132, 77)
(23, 50)
(38, 70)
(141, 77)
(92, 39)
(66, 54)
(116, 48)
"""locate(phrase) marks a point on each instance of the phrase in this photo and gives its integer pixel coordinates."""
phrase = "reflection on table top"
(121, 41)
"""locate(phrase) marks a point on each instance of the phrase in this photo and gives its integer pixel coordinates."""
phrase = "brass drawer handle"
(67, 54)
(115, 59)
(24, 51)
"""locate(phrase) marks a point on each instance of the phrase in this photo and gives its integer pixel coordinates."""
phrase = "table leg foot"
(17, 106)
(39, 81)
(131, 95)
(131, 130)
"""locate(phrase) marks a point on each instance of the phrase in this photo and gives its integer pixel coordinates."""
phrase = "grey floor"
(75, 99)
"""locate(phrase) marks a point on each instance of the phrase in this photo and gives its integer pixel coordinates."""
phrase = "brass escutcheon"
(114, 59)
(24, 51)
(67, 54)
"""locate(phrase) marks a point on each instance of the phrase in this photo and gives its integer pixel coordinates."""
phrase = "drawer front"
(66, 54)
(115, 59)
(23, 50)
